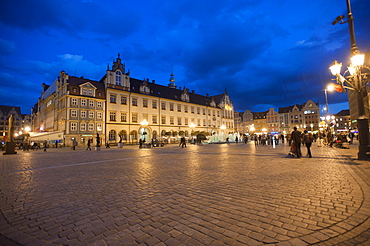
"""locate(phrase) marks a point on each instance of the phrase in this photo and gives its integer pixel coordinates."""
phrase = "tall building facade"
(144, 109)
(122, 109)
(20, 124)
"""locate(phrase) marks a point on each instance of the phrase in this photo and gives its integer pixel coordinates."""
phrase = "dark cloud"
(265, 53)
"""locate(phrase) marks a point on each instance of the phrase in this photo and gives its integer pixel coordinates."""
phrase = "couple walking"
(298, 138)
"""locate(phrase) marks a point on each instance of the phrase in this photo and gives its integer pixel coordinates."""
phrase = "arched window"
(186, 134)
(133, 135)
(118, 78)
(154, 134)
(123, 135)
(163, 133)
(112, 135)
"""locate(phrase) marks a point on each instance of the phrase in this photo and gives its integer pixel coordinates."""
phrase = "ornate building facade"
(143, 109)
(124, 109)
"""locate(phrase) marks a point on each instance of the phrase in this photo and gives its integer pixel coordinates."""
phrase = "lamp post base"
(364, 147)
(363, 152)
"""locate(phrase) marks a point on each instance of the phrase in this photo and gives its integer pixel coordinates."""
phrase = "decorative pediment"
(144, 87)
(87, 89)
(88, 85)
(185, 95)
(212, 103)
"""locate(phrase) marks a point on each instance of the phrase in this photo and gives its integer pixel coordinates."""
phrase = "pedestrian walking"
(183, 142)
(74, 144)
(107, 146)
(297, 141)
(88, 144)
(236, 139)
(307, 140)
(140, 143)
(45, 142)
(255, 140)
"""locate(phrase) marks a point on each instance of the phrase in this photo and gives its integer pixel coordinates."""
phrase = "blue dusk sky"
(265, 53)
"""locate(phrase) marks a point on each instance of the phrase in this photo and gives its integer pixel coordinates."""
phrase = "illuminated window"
(118, 77)
(113, 98)
(91, 127)
(83, 127)
(112, 116)
(134, 101)
(123, 117)
(73, 126)
(124, 100)
(73, 113)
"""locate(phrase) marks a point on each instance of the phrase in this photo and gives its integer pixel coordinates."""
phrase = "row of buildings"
(121, 109)
(304, 116)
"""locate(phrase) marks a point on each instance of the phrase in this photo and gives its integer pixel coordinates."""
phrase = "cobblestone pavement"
(219, 194)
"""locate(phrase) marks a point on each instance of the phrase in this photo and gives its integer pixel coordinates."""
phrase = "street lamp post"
(327, 115)
(355, 80)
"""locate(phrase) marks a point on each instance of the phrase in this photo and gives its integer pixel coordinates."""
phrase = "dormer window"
(118, 78)
(87, 89)
(145, 89)
(185, 97)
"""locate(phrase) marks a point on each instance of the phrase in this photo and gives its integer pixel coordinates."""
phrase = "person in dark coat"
(88, 144)
(183, 142)
(297, 141)
(308, 139)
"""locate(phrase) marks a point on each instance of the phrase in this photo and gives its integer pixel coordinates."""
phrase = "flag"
(337, 87)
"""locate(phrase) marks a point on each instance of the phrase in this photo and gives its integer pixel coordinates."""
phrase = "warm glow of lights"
(192, 125)
(264, 130)
(330, 87)
(228, 107)
(27, 129)
(252, 128)
(358, 60)
(144, 123)
(335, 68)
(223, 127)
(351, 70)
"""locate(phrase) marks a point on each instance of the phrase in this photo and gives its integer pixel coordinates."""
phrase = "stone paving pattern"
(219, 194)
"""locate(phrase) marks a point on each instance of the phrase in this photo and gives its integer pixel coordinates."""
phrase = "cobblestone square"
(216, 194)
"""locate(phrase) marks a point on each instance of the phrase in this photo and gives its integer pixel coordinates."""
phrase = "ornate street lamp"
(355, 79)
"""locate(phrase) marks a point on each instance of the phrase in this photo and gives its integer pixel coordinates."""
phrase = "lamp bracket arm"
(349, 88)
(340, 80)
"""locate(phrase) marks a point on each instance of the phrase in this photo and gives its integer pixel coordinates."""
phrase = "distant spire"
(172, 83)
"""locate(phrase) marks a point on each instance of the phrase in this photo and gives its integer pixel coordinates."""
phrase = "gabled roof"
(75, 82)
(289, 108)
(259, 115)
(344, 112)
(6, 109)
(162, 91)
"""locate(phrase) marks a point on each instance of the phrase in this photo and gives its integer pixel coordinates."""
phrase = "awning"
(41, 136)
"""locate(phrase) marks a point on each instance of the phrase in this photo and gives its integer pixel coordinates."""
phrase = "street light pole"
(356, 82)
